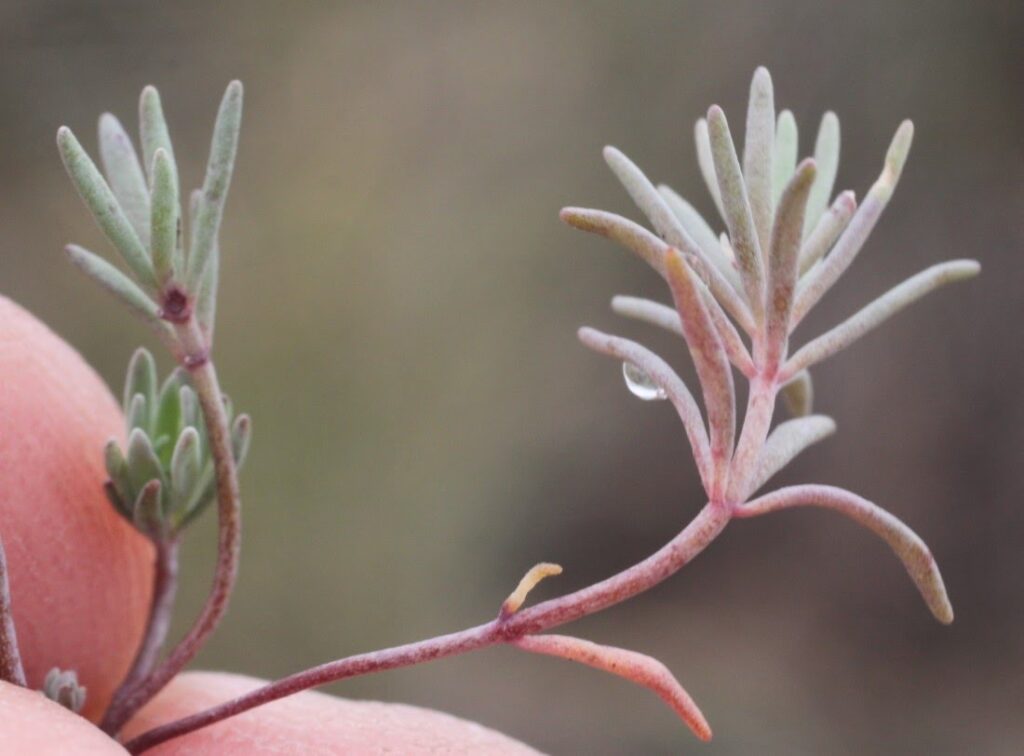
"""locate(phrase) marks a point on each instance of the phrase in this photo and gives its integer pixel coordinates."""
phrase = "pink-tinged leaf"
(907, 545)
(757, 153)
(652, 250)
(669, 228)
(707, 163)
(878, 312)
(701, 233)
(826, 155)
(787, 234)
(630, 665)
(827, 230)
(635, 237)
(666, 317)
(665, 378)
(823, 276)
(787, 441)
(738, 215)
(785, 152)
(711, 362)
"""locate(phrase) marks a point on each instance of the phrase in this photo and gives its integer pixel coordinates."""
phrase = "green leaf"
(186, 464)
(116, 282)
(148, 513)
(169, 420)
(143, 464)
(104, 206)
(141, 378)
(215, 186)
(153, 127)
(124, 174)
(165, 219)
(138, 414)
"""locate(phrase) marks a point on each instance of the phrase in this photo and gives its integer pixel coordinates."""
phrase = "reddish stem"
(701, 531)
(165, 587)
(195, 358)
(11, 669)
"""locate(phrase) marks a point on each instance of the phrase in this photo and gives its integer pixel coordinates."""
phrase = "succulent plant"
(165, 478)
(784, 247)
(62, 687)
(737, 298)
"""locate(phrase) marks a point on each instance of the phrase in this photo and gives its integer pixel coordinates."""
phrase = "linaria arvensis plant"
(737, 299)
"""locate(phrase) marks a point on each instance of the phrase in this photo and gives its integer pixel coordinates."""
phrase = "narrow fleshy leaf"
(879, 311)
(241, 437)
(117, 471)
(165, 219)
(757, 153)
(701, 233)
(798, 394)
(124, 174)
(666, 317)
(153, 131)
(116, 282)
(652, 250)
(826, 155)
(186, 464)
(138, 413)
(650, 201)
(785, 154)
(709, 358)
(707, 164)
(103, 205)
(738, 217)
(215, 187)
(665, 377)
(148, 511)
(787, 233)
(169, 421)
(827, 230)
(206, 299)
(907, 545)
(141, 378)
(787, 441)
(143, 464)
(823, 276)
(635, 237)
(630, 665)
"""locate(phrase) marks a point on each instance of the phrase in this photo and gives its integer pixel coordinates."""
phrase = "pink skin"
(30, 723)
(80, 576)
(310, 722)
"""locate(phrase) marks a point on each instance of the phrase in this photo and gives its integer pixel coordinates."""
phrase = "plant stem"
(165, 588)
(11, 669)
(195, 358)
(701, 531)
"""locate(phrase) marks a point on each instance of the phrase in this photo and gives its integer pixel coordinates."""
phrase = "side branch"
(165, 588)
(204, 378)
(693, 539)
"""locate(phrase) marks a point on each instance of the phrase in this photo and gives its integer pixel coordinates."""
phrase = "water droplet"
(640, 384)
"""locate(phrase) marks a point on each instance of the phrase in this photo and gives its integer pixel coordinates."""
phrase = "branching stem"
(701, 531)
(195, 358)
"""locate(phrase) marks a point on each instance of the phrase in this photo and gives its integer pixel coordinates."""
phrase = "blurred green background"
(398, 313)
